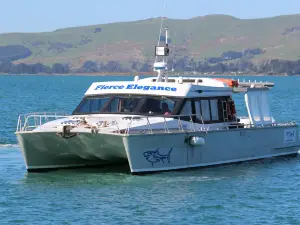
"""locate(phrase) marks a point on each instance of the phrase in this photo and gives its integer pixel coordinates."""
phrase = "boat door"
(209, 112)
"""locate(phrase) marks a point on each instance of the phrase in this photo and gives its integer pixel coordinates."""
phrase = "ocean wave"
(9, 146)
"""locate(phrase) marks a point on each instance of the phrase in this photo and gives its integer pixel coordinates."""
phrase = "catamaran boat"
(158, 124)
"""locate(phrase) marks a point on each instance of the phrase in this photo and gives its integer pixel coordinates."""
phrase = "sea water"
(260, 192)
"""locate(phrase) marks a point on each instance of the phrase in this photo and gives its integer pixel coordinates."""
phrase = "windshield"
(127, 104)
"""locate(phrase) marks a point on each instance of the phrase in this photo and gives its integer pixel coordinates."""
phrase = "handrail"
(33, 120)
(30, 121)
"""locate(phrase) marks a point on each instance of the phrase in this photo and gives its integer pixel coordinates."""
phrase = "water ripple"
(261, 192)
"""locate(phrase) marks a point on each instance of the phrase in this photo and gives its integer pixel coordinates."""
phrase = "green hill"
(199, 38)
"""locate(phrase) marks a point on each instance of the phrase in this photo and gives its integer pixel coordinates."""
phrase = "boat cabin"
(205, 100)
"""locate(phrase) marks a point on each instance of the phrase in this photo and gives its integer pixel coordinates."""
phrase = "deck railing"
(30, 121)
(185, 123)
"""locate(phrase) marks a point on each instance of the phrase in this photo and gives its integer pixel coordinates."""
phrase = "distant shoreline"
(141, 74)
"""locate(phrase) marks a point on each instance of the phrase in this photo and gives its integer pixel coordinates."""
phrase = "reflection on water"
(93, 175)
(117, 174)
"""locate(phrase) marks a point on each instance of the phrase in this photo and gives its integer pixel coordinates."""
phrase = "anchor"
(66, 134)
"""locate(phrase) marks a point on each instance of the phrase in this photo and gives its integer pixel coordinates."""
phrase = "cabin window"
(209, 110)
(198, 111)
(214, 109)
(163, 106)
(167, 106)
(205, 108)
(150, 106)
(128, 104)
(187, 108)
(91, 105)
(122, 105)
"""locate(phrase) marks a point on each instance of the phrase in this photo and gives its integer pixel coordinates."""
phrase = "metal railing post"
(192, 123)
(149, 125)
(166, 126)
(117, 126)
(128, 126)
(180, 124)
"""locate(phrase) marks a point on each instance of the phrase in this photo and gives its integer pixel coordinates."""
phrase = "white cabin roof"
(176, 87)
(202, 81)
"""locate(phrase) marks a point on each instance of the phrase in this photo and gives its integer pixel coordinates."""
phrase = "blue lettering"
(135, 86)
(129, 86)
(99, 87)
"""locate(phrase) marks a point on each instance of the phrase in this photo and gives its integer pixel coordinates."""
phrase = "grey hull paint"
(154, 152)
(47, 150)
(150, 153)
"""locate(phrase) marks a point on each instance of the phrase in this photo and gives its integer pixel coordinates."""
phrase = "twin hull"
(158, 151)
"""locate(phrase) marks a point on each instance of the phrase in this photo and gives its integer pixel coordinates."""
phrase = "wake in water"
(9, 146)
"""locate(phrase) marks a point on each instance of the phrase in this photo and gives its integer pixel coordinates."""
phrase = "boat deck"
(29, 122)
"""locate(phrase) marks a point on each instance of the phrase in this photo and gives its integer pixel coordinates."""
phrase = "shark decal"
(155, 156)
(290, 134)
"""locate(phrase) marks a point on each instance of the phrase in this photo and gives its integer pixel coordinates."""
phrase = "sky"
(48, 15)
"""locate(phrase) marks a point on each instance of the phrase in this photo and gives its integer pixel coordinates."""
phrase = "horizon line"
(165, 17)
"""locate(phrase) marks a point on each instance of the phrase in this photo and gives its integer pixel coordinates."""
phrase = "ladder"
(224, 109)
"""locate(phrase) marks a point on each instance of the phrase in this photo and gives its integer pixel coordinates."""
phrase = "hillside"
(127, 42)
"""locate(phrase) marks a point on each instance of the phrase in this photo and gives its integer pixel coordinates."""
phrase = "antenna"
(162, 52)
(158, 41)
(173, 61)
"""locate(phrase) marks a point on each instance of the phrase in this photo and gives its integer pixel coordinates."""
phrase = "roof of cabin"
(203, 81)
(187, 87)
(177, 87)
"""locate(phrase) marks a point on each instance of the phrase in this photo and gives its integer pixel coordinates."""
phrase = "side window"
(198, 110)
(187, 108)
(208, 110)
(214, 110)
(205, 110)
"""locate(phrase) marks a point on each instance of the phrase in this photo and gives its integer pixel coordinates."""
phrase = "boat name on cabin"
(136, 86)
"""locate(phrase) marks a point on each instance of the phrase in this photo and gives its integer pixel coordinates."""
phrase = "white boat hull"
(158, 151)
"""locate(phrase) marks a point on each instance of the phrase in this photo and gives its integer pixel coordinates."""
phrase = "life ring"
(229, 82)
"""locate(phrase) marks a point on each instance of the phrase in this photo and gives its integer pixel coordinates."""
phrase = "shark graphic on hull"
(155, 156)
